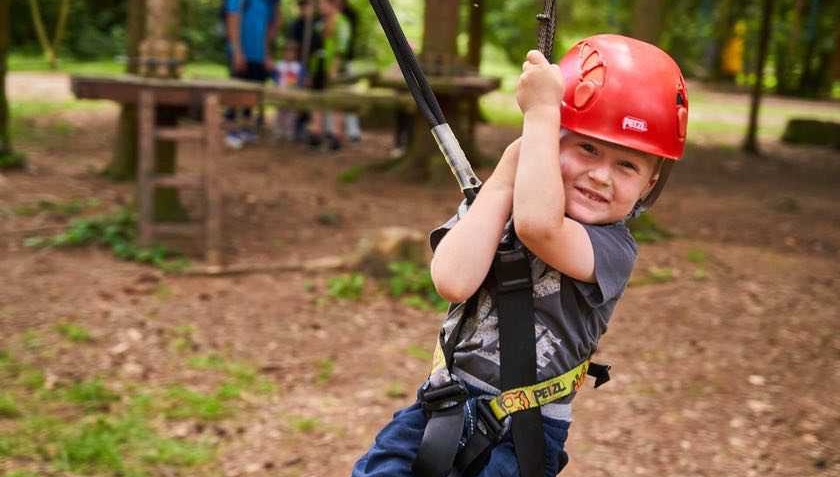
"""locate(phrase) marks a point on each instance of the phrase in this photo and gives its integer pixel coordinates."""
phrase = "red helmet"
(627, 92)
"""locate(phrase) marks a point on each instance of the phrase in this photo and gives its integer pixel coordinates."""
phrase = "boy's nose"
(601, 175)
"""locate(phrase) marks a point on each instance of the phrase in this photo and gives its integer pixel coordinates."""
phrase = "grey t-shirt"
(570, 315)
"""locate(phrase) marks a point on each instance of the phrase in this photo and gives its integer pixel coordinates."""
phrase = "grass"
(304, 424)
(114, 67)
(94, 426)
(326, 369)
(419, 352)
(73, 332)
(92, 395)
(654, 276)
(348, 286)
(8, 407)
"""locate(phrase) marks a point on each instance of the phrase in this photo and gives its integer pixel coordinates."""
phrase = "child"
(287, 74)
(600, 133)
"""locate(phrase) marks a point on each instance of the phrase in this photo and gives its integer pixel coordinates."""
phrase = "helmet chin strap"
(648, 201)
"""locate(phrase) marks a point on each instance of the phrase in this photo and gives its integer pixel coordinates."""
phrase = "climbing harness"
(518, 406)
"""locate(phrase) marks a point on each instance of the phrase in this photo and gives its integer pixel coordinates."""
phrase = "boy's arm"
(539, 202)
(463, 257)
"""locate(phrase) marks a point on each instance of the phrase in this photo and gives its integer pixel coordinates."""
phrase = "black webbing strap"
(436, 454)
(518, 353)
(445, 408)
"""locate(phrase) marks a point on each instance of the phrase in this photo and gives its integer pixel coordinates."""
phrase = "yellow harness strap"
(536, 395)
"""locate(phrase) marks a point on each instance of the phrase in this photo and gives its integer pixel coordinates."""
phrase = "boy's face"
(603, 181)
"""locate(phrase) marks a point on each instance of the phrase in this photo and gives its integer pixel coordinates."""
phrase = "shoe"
(333, 143)
(354, 138)
(314, 140)
(233, 141)
(247, 136)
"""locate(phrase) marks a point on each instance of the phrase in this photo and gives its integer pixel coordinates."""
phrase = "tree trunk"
(751, 142)
(647, 20)
(123, 166)
(835, 58)
(5, 139)
(6, 152)
(476, 34)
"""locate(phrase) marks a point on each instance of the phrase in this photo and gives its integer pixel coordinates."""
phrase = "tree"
(50, 48)
(8, 157)
(123, 164)
(647, 20)
(750, 143)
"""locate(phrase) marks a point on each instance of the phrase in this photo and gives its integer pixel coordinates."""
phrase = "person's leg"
(336, 132)
(255, 72)
(316, 126)
(503, 461)
(353, 128)
(395, 447)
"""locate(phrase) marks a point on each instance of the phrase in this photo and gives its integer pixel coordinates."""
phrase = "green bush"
(645, 229)
(118, 231)
(414, 284)
(346, 287)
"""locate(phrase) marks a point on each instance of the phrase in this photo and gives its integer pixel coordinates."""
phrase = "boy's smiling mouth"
(592, 195)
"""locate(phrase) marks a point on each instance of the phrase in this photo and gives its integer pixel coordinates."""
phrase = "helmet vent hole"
(595, 75)
(680, 99)
(584, 92)
(591, 61)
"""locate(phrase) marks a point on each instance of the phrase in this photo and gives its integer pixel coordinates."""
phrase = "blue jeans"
(395, 447)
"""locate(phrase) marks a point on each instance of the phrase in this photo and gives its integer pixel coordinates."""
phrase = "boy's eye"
(588, 147)
(629, 165)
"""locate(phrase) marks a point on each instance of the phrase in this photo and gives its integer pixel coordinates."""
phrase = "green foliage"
(696, 256)
(18, 473)
(653, 276)
(414, 284)
(96, 445)
(117, 231)
(184, 403)
(326, 368)
(645, 229)
(176, 452)
(304, 424)
(419, 352)
(61, 208)
(73, 332)
(348, 286)
(92, 395)
(352, 174)
(8, 407)
(395, 391)
(32, 379)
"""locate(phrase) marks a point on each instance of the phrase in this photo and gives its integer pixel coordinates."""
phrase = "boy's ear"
(649, 187)
(654, 178)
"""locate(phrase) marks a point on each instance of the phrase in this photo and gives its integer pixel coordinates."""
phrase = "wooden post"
(146, 165)
(440, 37)
(213, 144)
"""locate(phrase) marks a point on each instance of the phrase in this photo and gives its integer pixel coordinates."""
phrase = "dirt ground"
(729, 368)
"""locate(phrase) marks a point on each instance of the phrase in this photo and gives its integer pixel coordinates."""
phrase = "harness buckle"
(512, 269)
(441, 398)
(488, 424)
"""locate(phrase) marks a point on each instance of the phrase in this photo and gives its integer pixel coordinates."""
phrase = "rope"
(547, 27)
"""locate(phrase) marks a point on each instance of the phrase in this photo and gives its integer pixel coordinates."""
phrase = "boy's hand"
(540, 85)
